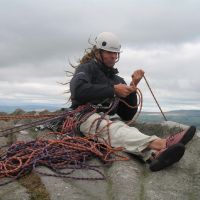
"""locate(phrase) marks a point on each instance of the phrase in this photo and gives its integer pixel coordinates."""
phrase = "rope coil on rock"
(68, 153)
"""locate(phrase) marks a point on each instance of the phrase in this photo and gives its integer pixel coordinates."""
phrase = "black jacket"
(93, 82)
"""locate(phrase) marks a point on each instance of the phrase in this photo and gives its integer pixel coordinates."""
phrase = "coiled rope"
(68, 153)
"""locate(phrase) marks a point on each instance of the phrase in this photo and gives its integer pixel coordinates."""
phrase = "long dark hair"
(89, 54)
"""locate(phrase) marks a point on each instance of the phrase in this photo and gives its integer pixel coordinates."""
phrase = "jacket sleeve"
(83, 90)
(124, 111)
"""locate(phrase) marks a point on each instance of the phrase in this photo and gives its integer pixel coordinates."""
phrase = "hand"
(122, 90)
(137, 76)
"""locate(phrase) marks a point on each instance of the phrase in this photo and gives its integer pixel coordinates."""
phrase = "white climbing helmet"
(108, 41)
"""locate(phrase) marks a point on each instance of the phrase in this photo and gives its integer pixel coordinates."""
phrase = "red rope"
(55, 154)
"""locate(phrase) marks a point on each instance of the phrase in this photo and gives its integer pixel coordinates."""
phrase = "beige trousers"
(121, 135)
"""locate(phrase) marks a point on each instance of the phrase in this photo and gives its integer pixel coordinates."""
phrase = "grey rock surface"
(125, 180)
(13, 191)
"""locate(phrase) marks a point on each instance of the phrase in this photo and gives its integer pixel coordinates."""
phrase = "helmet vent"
(104, 44)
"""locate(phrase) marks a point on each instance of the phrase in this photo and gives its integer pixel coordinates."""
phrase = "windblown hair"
(89, 54)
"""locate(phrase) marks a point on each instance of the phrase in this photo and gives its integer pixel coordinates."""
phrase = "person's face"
(109, 58)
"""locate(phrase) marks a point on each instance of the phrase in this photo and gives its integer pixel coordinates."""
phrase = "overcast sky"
(39, 37)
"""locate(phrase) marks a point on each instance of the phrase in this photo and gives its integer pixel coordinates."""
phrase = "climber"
(95, 81)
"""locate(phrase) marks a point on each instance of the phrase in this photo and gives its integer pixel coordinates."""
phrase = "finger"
(131, 89)
(142, 72)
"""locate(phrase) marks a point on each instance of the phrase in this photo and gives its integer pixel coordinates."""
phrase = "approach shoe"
(166, 157)
(182, 137)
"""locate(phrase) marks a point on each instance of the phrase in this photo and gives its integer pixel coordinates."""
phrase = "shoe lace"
(171, 137)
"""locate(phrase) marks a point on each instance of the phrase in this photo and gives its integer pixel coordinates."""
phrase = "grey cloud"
(47, 29)
(38, 37)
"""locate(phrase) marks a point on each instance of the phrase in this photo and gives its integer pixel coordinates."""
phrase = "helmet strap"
(118, 56)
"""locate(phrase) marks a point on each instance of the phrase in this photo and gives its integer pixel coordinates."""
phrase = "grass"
(34, 186)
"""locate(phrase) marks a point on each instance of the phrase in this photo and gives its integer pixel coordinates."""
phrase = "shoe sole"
(170, 156)
(188, 135)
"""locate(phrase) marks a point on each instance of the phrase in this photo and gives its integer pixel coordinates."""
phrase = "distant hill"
(29, 107)
(184, 112)
(176, 112)
(188, 117)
